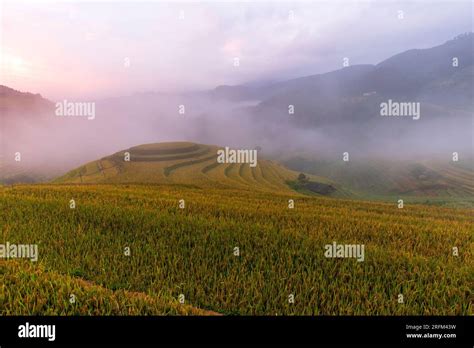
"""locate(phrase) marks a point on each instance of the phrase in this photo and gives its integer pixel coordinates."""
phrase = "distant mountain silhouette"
(22, 104)
(355, 92)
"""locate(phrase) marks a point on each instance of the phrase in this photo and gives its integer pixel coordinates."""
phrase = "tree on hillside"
(302, 178)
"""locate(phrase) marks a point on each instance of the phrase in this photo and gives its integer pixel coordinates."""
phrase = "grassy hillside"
(191, 251)
(428, 182)
(14, 173)
(186, 163)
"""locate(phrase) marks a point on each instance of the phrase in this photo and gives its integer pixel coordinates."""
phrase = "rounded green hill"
(184, 163)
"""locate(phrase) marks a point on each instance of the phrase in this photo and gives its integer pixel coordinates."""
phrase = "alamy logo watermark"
(228, 155)
(80, 109)
(37, 331)
(392, 108)
(335, 250)
(20, 251)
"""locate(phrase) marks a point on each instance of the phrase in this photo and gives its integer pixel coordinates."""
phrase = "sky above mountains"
(91, 50)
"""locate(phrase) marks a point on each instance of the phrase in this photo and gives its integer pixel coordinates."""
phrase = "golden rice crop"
(191, 251)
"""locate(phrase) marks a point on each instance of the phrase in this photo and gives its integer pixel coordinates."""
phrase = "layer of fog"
(53, 145)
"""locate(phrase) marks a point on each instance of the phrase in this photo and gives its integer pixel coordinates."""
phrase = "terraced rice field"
(437, 181)
(208, 238)
(191, 252)
(29, 289)
(184, 163)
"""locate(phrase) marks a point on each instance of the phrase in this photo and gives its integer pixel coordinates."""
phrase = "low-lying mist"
(52, 144)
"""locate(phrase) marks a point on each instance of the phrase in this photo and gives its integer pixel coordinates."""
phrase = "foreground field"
(27, 289)
(191, 252)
